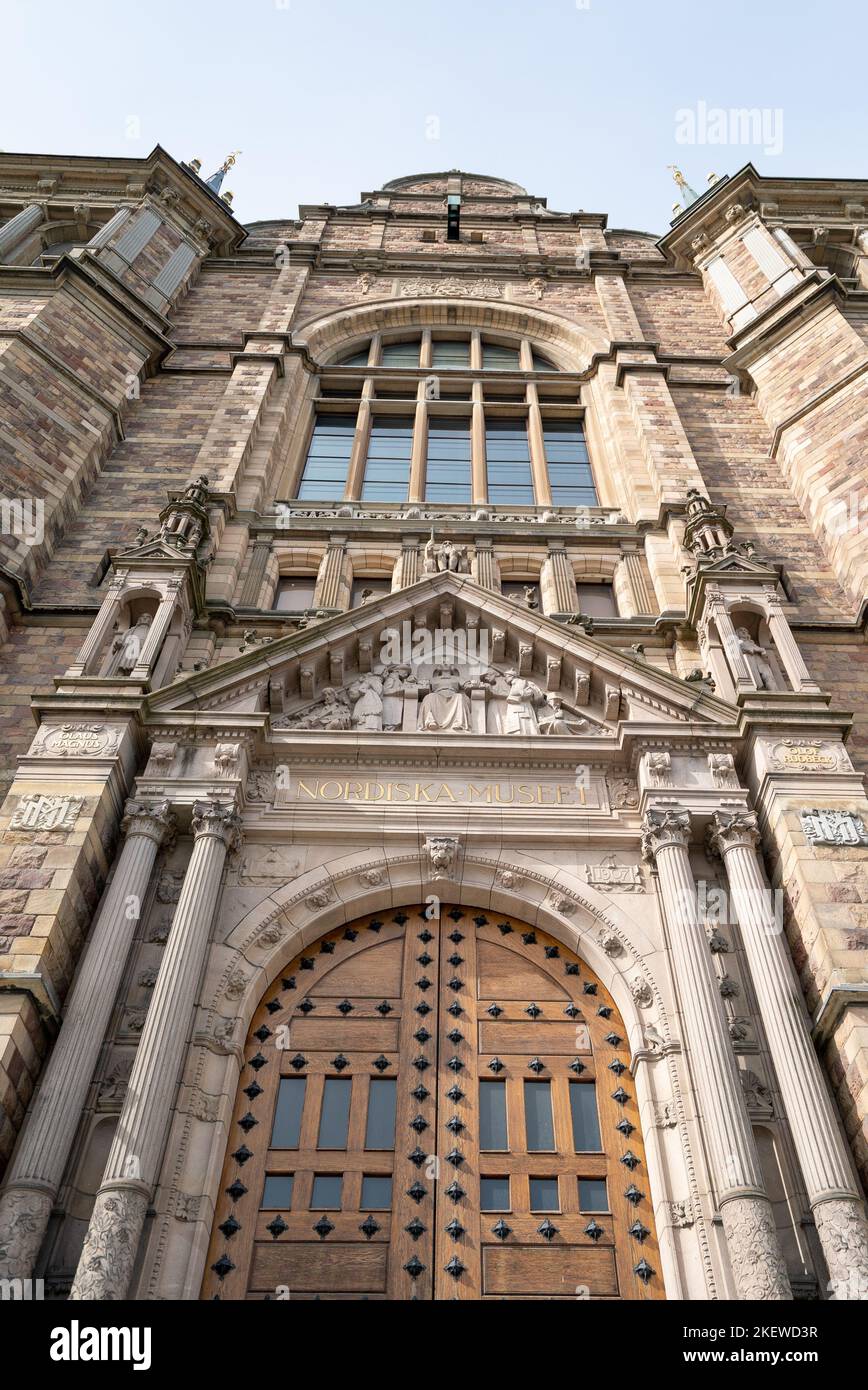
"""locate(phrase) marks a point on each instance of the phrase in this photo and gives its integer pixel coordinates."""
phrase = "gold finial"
(229, 161)
(677, 175)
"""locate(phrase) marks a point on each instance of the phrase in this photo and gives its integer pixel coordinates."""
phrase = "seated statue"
(446, 708)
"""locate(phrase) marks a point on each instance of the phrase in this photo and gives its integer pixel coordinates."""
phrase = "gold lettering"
(422, 792)
(445, 791)
(312, 792)
(326, 795)
(503, 801)
(525, 794)
(474, 793)
(400, 787)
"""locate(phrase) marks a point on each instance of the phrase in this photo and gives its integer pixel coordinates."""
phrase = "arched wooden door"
(435, 1109)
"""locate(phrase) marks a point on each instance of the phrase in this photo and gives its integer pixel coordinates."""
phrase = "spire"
(688, 195)
(216, 180)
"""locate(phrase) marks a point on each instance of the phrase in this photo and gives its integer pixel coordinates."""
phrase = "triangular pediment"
(443, 621)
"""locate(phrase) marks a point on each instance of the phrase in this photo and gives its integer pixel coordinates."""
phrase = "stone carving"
(321, 898)
(367, 697)
(449, 287)
(235, 985)
(159, 933)
(717, 942)
(659, 768)
(394, 680)
(332, 712)
(729, 988)
(187, 1206)
(148, 978)
(509, 879)
(25, 1217)
(446, 707)
(113, 1086)
(537, 286)
(559, 903)
(822, 827)
(226, 759)
(807, 755)
(757, 1095)
(110, 1247)
(126, 648)
(610, 943)
(738, 1029)
(443, 556)
(223, 1033)
(263, 862)
(623, 793)
(756, 660)
(641, 991)
(664, 1114)
(662, 827)
(757, 1264)
(218, 819)
(134, 1020)
(722, 769)
(611, 877)
(441, 852)
(653, 1039)
(169, 887)
(205, 1107)
(681, 1214)
(260, 785)
(46, 812)
(161, 759)
(729, 829)
(373, 877)
(553, 719)
(843, 1232)
(270, 934)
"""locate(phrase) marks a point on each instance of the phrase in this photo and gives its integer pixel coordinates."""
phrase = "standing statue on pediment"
(394, 680)
(446, 707)
(521, 703)
(367, 695)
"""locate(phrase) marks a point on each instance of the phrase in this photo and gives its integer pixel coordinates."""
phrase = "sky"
(583, 102)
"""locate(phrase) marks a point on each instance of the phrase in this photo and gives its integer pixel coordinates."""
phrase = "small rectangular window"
(492, 1115)
(450, 352)
(593, 1195)
(277, 1192)
(380, 1128)
(287, 1114)
(494, 1194)
(400, 354)
(326, 1194)
(597, 600)
(544, 1194)
(586, 1124)
(376, 1193)
(293, 595)
(538, 1116)
(334, 1118)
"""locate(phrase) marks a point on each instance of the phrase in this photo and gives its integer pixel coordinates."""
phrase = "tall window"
(508, 456)
(387, 471)
(448, 472)
(328, 458)
(570, 476)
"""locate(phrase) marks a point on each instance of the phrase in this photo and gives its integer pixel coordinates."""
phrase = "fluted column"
(19, 226)
(261, 551)
(332, 587)
(110, 1247)
(484, 567)
(787, 648)
(831, 1186)
(757, 1264)
(558, 583)
(43, 1148)
(159, 628)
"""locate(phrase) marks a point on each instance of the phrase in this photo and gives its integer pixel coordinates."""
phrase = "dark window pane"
(326, 1194)
(400, 354)
(287, 1115)
(376, 1193)
(492, 1115)
(357, 358)
(542, 364)
(364, 590)
(497, 358)
(544, 1194)
(593, 1195)
(446, 492)
(380, 1131)
(328, 458)
(598, 600)
(449, 353)
(567, 455)
(586, 1125)
(334, 1117)
(538, 1116)
(277, 1192)
(494, 1194)
(294, 594)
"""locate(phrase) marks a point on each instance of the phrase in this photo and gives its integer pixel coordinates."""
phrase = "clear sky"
(584, 102)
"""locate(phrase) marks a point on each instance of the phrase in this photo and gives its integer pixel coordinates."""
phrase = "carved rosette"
(757, 1264)
(733, 830)
(664, 828)
(154, 819)
(219, 820)
(843, 1231)
(24, 1216)
(106, 1265)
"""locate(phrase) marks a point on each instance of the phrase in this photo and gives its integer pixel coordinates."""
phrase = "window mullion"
(478, 466)
(536, 440)
(356, 470)
(420, 447)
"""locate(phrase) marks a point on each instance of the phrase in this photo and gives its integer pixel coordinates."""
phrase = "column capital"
(736, 829)
(152, 818)
(664, 827)
(218, 819)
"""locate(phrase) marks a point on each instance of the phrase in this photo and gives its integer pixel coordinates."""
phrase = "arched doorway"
(435, 1108)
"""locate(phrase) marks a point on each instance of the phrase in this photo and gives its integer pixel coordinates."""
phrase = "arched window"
(451, 417)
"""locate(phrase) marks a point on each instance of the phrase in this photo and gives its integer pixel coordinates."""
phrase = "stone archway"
(435, 1106)
(262, 944)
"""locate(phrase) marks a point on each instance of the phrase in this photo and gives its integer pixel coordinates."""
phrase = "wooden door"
(435, 1109)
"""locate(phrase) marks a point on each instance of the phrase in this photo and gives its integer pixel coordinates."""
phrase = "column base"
(24, 1213)
(843, 1233)
(757, 1264)
(105, 1269)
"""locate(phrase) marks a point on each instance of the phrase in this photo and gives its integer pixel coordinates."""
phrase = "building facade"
(434, 685)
